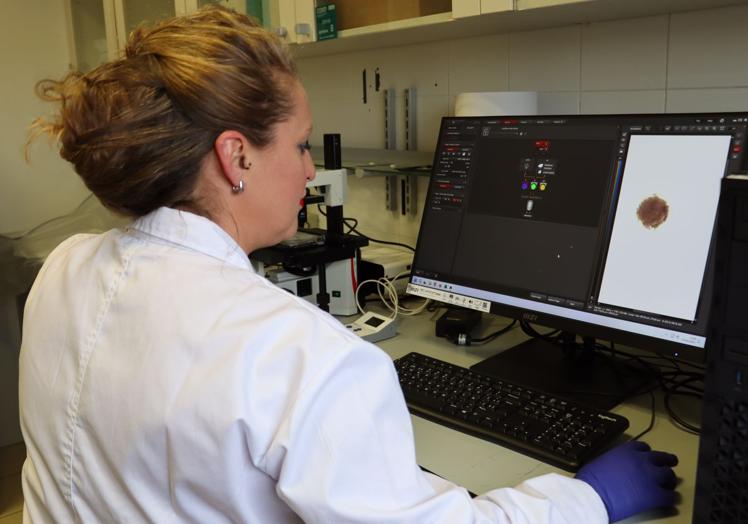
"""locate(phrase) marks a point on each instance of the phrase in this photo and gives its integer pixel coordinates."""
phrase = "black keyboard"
(548, 428)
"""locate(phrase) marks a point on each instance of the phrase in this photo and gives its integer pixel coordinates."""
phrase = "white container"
(498, 103)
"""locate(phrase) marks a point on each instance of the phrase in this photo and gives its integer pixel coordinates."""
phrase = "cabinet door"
(292, 20)
(91, 32)
(305, 26)
(535, 4)
(495, 6)
(240, 6)
(463, 8)
(98, 29)
(131, 13)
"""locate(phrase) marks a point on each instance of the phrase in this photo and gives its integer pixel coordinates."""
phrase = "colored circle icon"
(524, 185)
(534, 186)
(542, 186)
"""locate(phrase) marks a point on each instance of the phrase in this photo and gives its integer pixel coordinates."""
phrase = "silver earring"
(238, 188)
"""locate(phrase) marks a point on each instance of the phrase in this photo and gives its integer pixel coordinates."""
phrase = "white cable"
(406, 310)
(388, 294)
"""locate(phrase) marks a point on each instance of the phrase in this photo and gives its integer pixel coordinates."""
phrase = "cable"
(671, 386)
(654, 357)
(532, 332)
(673, 381)
(685, 426)
(389, 297)
(492, 336)
(651, 418)
(345, 219)
(434, 306)
(387, 242)
(385, 287)
(352, 229)
(670, 379)
(675, 389)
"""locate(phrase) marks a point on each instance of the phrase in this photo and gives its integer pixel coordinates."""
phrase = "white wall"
(33, 45)
(684, 62)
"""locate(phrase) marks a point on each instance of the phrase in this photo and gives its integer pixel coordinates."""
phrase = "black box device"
(457, 321)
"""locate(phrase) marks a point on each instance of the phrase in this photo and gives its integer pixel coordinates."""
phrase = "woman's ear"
(232, 150)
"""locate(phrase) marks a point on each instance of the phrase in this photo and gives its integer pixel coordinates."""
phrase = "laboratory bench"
(480, 465)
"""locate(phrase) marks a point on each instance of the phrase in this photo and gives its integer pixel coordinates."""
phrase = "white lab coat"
(162, 380)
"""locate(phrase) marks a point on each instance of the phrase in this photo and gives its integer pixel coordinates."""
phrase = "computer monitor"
(600, 226)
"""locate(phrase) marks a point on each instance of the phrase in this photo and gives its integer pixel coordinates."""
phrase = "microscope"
(319, 265)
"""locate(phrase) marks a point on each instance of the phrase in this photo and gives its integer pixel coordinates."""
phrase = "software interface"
(605, 220)
(666, 209)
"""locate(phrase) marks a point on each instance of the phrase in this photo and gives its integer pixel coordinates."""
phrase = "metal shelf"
(380, 162)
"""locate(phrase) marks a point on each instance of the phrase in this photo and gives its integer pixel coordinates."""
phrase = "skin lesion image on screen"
(663, 224)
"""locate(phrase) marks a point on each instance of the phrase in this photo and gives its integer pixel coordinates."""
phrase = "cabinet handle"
(303, 29)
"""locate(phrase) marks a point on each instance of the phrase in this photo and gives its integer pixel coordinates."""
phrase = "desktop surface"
(479, 465)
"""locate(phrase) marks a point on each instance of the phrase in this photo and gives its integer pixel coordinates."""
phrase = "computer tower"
(722, 473)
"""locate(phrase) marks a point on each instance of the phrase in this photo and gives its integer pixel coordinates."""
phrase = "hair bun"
(135, 42)
(137, 129)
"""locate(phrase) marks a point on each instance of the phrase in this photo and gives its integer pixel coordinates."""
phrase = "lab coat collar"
(193, 232)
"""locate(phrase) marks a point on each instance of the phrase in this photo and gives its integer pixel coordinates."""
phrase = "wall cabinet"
(91, 40)
(495, 6)
(292, 20)
(295, 20)
(128, 14)
(98, 29)
(481, 17)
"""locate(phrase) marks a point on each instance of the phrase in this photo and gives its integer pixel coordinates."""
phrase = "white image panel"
(660, 269)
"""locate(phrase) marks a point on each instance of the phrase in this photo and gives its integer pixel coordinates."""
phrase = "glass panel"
(89, 33)
(254, 8)
(146, 11)
(240, 6)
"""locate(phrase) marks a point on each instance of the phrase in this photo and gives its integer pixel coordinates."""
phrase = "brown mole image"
(652, 211)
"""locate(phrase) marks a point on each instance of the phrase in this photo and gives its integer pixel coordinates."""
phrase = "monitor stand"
(569, 369)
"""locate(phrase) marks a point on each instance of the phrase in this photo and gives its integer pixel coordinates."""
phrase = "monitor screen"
(599, 225)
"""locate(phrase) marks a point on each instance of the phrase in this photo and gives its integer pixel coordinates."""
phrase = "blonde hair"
(138, 128)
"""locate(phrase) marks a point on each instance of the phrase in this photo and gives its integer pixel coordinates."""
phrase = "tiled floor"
(11, 499)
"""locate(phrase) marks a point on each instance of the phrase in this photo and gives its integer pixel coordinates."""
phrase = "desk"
(479, 465)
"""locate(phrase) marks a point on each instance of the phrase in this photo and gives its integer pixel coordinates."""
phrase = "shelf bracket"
(411, 136)
(390, 142)
(409, 194)
(390, 192)
(390, 124)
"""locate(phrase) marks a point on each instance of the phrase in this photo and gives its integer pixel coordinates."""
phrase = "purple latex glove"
(632, 478)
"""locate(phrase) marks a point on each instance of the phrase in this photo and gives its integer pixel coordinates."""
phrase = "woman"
(162, 380)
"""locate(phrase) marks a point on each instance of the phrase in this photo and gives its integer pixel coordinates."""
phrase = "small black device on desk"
(456, 324)
(545, 427)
